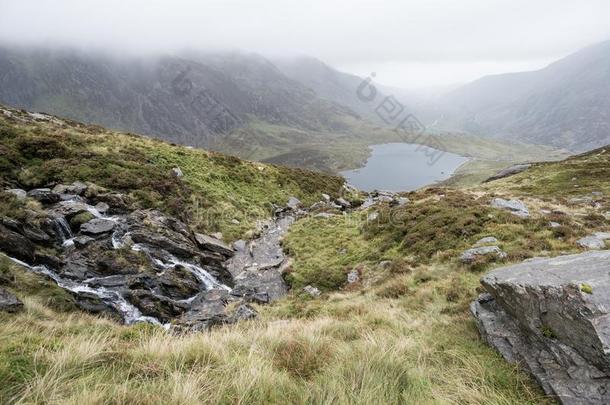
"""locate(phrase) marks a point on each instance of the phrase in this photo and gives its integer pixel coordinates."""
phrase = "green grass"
(216, 189)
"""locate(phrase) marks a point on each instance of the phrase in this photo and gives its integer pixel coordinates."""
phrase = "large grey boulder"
(213, 244)
(44, 195)
(596, 241)
(516, 207)
(97, 226)
(553, 317)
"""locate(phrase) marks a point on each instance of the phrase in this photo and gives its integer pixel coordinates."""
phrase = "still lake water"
(403, 167)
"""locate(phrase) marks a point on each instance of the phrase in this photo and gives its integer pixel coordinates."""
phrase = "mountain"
(565, 104)
(193, 98)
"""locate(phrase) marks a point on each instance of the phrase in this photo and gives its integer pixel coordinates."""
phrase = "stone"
(372, 216)
(489, 240)
(8, 302)
(553, 224)
(235, 221)
(325, 197)
(516, 207)
(44, 195)
(473, 254)
(344, 204)
(509, 171)
(82, 241)
(353, 277)
(293, 203)
(312, 291)
(591, 242)
(402, 201)
(17, 192)
(552, 316)
(97, 226)
(102, 207)
(324, 215)
(213, 244)
(217, 235)
(177, 172)
(16, 245)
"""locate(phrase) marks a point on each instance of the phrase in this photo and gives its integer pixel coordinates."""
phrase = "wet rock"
(69, 209)
(82, 241)
(17, 192)
(516, 207)
(509, 171)
(471, 255)
(312, 291)
(178, 283)
(102, 207)
(44, 195)
(293, 203)
(213, 244)
(552, 317)
(8, 302)
(157, 306)
(97, 226)
(16, 245)
(353, 277)
(489, 240)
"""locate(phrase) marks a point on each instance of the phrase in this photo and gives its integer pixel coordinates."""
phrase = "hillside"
(563, 105)
(384, 317)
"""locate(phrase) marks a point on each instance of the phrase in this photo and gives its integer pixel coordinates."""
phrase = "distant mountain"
(566, 104)
(192, 99)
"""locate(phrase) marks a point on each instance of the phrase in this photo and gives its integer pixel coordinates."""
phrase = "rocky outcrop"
(552, 316)
(8, 302)
(516, 207)
(509, 171)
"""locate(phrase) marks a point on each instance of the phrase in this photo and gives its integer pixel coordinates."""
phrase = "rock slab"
(552, 316)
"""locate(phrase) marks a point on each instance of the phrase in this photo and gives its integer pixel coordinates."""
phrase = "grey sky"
(409, 44)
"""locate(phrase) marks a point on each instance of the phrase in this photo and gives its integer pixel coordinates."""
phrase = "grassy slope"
(403, 334)
(215, 188)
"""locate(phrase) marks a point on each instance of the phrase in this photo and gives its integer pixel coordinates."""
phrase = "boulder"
(489, 240)
(82, 241)
(8, 302)
(293, 203)
(591, 242)
(213, 244)
(102, 207)
(44, 195)
(516, 207)
(97, 226)
(325, 198)
(552, 316)
(16, 245)
(344, 204)
(471, 255)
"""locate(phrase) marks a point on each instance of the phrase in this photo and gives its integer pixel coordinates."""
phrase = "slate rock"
(213, 244)
(552, 316)
(97, 226)
(516, 207)
(44, 195)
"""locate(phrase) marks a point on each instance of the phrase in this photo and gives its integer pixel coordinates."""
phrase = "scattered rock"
(509, 171)
(312, 291)
(97, 226)
(372, 216)
(552, 317)
(344, 204)
(44, 195)
(489, 240)
(176, 172)
(213, 244)
(102, 207)
(596, 241)
(473, 254)
(293, 203)
(402, 201)
(516, 207)
(235, 222)
(17, 192)
(325, 197)
(8, 302)
(353, 277)
(553, 224)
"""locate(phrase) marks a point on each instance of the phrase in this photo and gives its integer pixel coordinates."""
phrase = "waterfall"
(62, 228)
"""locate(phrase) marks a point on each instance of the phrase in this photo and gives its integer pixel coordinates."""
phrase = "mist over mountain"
(191, 99)
(565, 104)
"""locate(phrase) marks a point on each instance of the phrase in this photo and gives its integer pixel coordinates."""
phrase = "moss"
(548, 332)
(77, 220)
(586, 288)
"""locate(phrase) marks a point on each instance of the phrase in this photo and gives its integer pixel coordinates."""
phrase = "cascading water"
(62, 228)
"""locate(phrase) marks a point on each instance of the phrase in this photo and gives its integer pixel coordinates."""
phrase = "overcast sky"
(409, 44)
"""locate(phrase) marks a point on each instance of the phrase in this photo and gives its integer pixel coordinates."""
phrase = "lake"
(403, 167)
